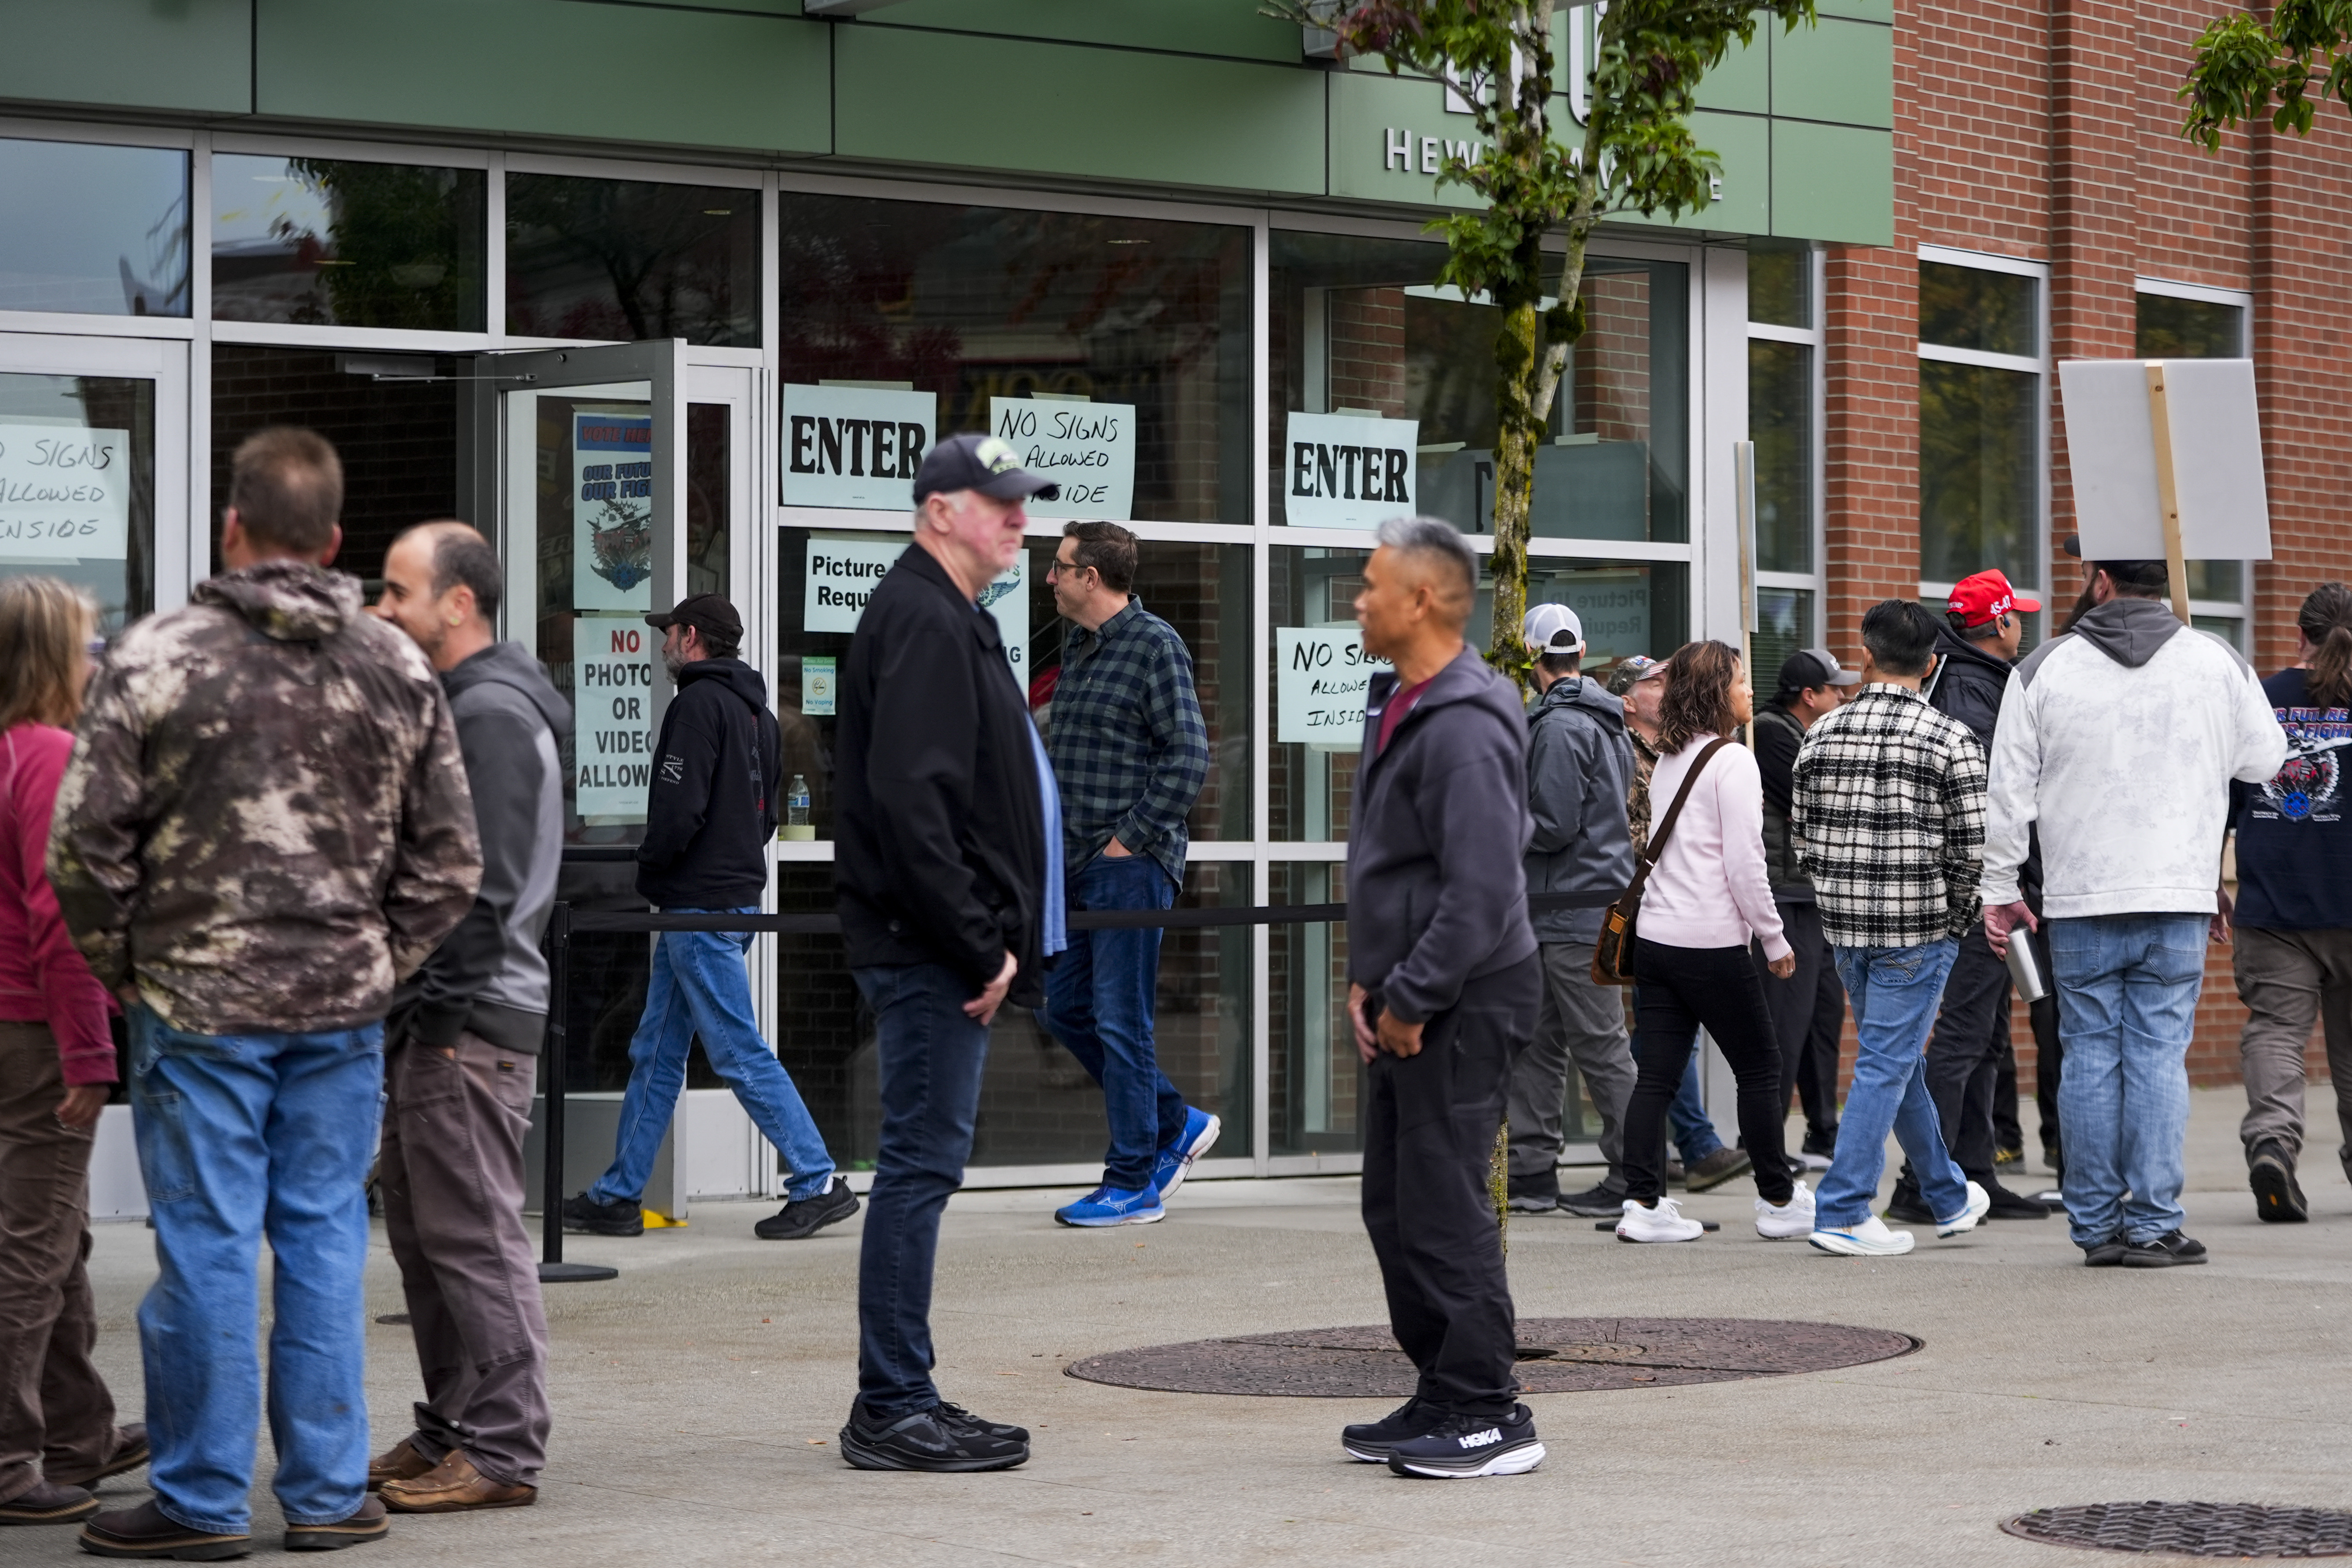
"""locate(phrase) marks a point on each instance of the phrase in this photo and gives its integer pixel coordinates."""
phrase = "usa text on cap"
(1987, 597)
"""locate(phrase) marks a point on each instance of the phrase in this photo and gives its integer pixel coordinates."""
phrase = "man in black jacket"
(945, 816)
(1983, 633)
(1444, 988)
(709, 814)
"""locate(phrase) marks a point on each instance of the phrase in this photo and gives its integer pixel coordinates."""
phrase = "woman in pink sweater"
(56, 1066)
(1707, 895)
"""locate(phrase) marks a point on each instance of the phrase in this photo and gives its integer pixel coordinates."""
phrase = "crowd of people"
(302, 850)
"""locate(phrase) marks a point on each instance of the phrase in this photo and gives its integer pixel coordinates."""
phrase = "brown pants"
(54, 1407)
(451, 1174)
(2290, 980)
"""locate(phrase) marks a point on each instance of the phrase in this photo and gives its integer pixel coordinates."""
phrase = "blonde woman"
(57, 1065)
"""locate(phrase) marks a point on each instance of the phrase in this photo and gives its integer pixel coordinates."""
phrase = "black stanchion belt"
(585, 921)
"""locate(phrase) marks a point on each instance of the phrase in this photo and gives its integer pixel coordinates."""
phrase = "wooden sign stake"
(2167, 496)
(1743, 485)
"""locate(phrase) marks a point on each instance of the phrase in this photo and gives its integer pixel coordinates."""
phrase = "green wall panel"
(1743, 82)
(1370, 114)
(1742, 143)
(146, 54)
(1841, 71)
(1832, 182)
(1230, 27)
(1004, 104)
(1880, 11)
(550, 68)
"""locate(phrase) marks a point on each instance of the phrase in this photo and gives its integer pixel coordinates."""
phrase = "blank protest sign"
(2217, 458)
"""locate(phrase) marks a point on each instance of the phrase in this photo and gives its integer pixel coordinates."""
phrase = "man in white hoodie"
(2120, 739)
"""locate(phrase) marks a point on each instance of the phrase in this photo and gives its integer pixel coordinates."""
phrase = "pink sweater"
(1709, 889)
(43, 979)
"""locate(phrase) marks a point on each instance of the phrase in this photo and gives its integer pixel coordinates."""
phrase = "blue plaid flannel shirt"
(1127, 740)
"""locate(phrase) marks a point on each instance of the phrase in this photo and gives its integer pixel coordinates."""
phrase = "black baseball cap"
(1812, 666)
(708, 614)
(984, 463)
(2129, 574)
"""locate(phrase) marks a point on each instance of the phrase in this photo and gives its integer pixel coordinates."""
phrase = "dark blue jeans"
(1099, 1000)
(930, 1058)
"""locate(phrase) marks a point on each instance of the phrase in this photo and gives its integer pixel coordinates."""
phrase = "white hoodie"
(2120, 740)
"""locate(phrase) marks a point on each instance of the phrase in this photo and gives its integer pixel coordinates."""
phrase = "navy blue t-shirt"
(2294, 845)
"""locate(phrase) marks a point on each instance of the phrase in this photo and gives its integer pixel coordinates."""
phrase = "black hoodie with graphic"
(711, 808)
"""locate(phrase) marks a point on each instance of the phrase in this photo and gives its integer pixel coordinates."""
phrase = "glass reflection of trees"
(350, 244)
(1979, 471)
(625, 260)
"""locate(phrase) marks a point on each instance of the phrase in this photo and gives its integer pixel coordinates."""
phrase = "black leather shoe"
(1595, 1202)
(2278, 1196)
(927, 1440)
(144, 1532)
(2106, 1254)
(804, 1217)
(2167, 1251)
(1374, 1441)
(619, 1217)
(48, 1502)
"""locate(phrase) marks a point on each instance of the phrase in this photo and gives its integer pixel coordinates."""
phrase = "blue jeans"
(1895, 992)
(241, 1136)
(2128, 989)
(1099, 1003)
(930, 1055)
(1694, 1135)
(699, 987)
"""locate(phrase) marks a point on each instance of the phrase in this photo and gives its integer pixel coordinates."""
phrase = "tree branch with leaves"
(2245, 66)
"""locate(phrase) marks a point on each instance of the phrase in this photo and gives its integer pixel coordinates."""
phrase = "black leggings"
(1677, 991)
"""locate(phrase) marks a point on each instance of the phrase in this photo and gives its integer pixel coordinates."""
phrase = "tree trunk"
(1517, 355)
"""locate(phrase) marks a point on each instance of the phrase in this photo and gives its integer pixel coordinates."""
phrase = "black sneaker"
(2167, 1251)
(2008, 1204)
(1536, 1193)
(1820, 1141)
(804, 1217)
(1906, 1206)
(927, 1440)
(1595, 1202)
(2106, 1254)
(1373, 1441)
(956, 1418)
(1460, 1446)
(2278, 1196)
(619, 1217)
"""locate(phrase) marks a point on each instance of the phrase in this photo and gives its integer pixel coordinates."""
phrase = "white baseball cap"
(1552, 629)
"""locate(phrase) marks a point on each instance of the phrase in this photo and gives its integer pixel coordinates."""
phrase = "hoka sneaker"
(1110, 1205)
(1979, 1203)
(1871, 1238)
(1664, 1223)
(1374, 1441)
(1175, 1163)
(1788, 1221)
(1460, 1446)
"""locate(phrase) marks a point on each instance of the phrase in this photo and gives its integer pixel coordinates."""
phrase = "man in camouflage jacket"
(265, 826)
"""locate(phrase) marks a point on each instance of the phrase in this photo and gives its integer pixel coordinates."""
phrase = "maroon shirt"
(1401, 702)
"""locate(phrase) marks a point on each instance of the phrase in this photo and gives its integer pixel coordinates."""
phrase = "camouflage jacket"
(1637, 799)
(265, 822)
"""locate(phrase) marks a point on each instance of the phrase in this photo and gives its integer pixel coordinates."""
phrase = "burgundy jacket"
(43, 978)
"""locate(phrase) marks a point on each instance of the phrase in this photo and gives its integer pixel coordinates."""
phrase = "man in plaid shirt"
(1131, 754)
(1889, 814)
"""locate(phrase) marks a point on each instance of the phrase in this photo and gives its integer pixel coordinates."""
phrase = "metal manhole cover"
(2190, 1529)
(1556, 1355)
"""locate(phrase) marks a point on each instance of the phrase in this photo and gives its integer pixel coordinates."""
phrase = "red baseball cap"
(1987, 597)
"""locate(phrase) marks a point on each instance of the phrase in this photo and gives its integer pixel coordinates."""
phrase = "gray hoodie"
(1580, 769)
(488, 975)
(1436, 895)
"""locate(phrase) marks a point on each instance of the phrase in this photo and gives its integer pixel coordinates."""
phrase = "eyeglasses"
(1058, 566)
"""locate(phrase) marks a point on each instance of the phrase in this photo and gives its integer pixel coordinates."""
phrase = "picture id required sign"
(841, 576)
(855, 445)
(1087, 448)
(1322, 674)
(64, 494)
(612, 700)
(1343, 470)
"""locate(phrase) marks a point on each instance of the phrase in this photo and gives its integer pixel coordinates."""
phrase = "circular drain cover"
(2191, 1528)
(1556, 1355)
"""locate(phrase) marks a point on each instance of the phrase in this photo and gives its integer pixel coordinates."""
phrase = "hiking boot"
(1462, 1446)
(2278, 1196)
(804, 1217)
(129, 1453)
(144, 1532)
(1176, 1162)
(622, 1217)
(2167, 1251)
(1677, 1175)
(1374, 1441)
(48, 1503)
(370, 1523)
(1595, 1202)
(454, 1486)
(401, 1462)
(1538, 1192)
(1718, 1168)
(927, 1440)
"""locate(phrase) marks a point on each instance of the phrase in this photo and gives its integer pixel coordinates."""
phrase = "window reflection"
(101, 231)
(1780, 284)
(1979, 471)
(625, 260)
(98, 530)
(321, 241)
(2189, 329)
(1781, 422)
(1970, 308)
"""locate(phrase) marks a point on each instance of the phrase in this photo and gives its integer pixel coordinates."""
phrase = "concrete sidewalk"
(697, 1397)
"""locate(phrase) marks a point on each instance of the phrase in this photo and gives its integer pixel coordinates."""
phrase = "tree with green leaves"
(1633, 153)
(2244, 65)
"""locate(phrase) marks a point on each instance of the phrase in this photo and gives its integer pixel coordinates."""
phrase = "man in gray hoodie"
(463, 1045)
(1580, 770)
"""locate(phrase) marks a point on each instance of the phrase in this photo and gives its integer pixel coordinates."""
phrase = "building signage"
(612, 701)
(1087, 448)
(612, 511)
(855, 445)
(820, 675)
(1321, 676)
(842, 574)
(64, 494)
(1343, 470)
(1402, 148)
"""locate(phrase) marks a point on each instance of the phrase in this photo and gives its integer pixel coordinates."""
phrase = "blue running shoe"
(1199, 1135)
(1110, 1206)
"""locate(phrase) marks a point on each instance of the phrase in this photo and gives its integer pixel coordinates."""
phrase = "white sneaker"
(1664, 1223)
(1871, 1238)
(1979, 1203)
(1786, 1222)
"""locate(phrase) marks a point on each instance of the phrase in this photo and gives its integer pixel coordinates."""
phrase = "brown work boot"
(1717, 1169)
(401, 1462)
(48, 1502)
(368, 1524)
(454, 1486)
(129, 1453)
(146, 1532)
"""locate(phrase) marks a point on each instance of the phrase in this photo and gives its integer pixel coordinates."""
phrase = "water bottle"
(796, 810)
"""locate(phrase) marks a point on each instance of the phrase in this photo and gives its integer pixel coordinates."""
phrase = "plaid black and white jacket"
(1890, 817)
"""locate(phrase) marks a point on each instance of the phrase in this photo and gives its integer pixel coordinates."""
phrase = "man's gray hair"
(1436, 537)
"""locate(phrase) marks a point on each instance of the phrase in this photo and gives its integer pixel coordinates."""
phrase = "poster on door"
(855, 445)
(1347, 470)
(1322, 676)
(64, 494)
(1087, 448)
(612, 511)
(840, 576)
(612, 702)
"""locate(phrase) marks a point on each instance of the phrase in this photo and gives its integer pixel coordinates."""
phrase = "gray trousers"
(2290, 980)
(1583, 1023)
(451, 1174)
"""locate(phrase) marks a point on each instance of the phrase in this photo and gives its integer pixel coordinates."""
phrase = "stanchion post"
(554, 1066)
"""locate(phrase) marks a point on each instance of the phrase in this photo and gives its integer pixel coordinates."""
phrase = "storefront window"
(1361, 335)
(625, 260)
(100, 231)
(1980, 413)
(1115, 352)
(1784, 623)
(2171, 327)
(77, 486)
(322, 242)
(1781, 422)
(1780, 284)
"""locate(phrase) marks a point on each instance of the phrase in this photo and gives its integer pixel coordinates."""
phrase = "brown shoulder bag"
(1612, 955)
